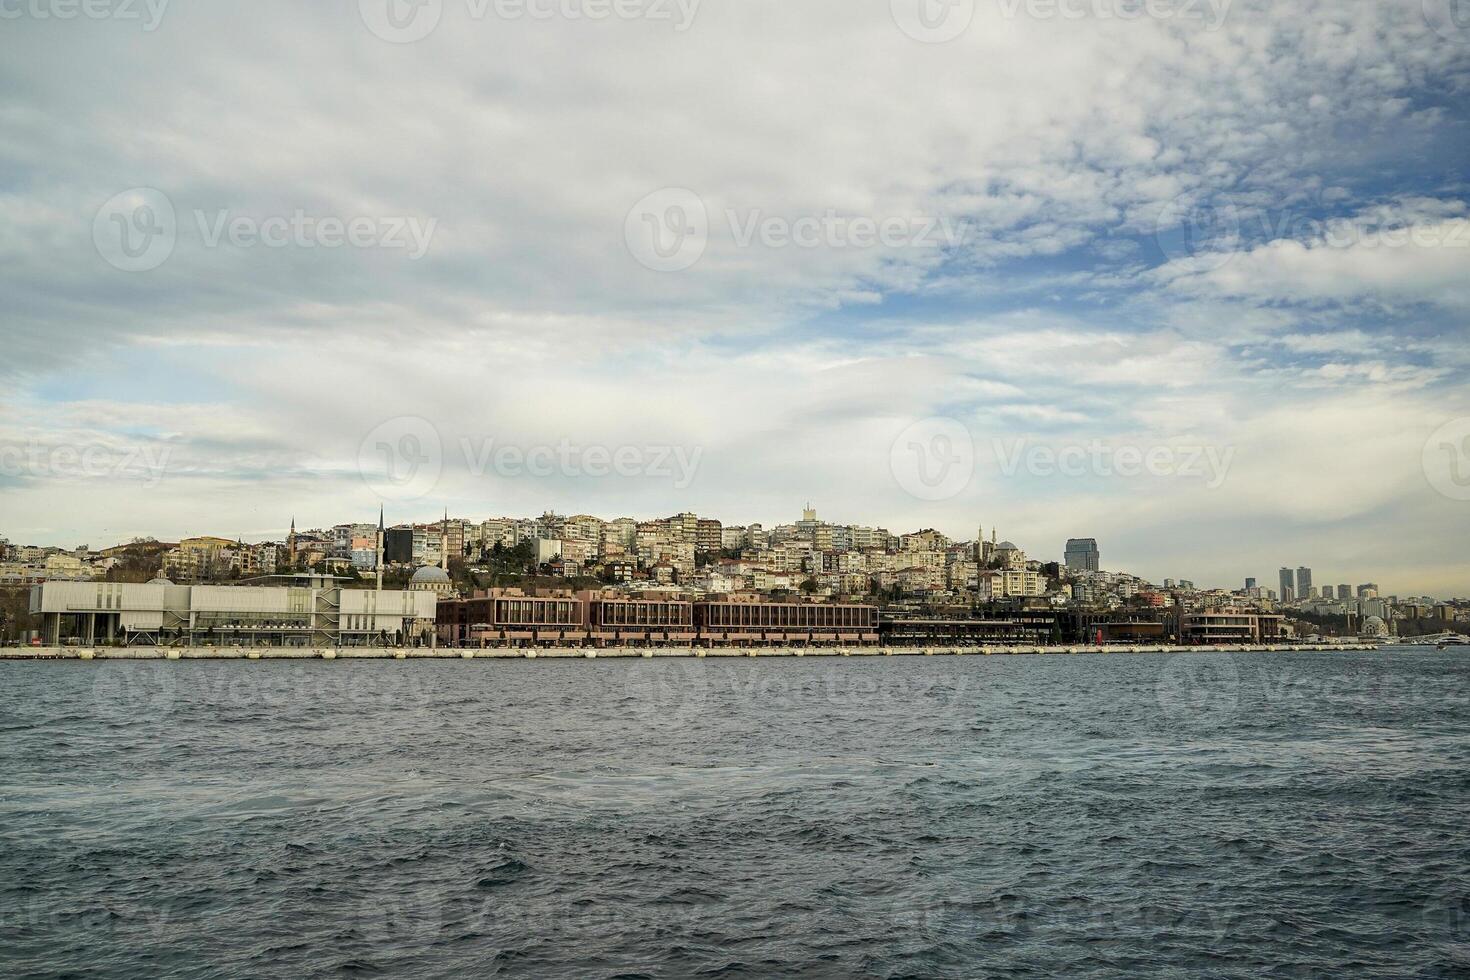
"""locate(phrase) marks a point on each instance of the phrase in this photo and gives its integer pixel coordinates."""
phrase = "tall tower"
(378, 554)
(291, 544)
(1304, 582)
(1082, 555)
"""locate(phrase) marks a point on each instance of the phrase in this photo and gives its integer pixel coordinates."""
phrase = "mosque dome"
(160, 580)
(429, 575)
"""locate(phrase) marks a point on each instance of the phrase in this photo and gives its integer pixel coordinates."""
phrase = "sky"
(1190, 277)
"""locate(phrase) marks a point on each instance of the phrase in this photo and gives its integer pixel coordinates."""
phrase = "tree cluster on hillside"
(15, 614)
(141, 561)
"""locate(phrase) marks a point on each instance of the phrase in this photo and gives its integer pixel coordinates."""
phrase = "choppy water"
(1218, 815)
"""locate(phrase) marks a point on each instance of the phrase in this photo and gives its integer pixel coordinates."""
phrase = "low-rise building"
(1228, 626)
(301, 611)
(1017, 582)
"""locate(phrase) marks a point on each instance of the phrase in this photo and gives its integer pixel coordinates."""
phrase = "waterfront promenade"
(580, 653)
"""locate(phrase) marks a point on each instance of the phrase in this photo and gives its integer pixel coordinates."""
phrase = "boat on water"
(1440, 641)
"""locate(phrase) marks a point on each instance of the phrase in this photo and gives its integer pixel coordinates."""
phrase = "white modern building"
(300, 611)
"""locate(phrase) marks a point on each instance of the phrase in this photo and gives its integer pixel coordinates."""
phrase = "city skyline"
(1332, 582)
(696, 487)
(1130, 257)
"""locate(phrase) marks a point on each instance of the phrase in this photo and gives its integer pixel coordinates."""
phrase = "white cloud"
(793, 368)
(1355, 261)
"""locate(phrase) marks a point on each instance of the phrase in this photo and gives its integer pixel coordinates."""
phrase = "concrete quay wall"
(617, 653)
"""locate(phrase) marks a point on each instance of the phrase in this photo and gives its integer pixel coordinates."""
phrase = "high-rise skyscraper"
(1250, 583)
(1082, 554)
(1288, 585)
(1344, 591)
(1304, 582)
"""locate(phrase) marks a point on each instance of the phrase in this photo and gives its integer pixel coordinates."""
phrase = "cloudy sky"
(1192, 278)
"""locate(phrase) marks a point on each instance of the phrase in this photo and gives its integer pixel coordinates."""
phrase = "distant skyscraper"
(1250, 583)
(1082, 554)
(1288, 585)
(1304, 582)
(1368, 591)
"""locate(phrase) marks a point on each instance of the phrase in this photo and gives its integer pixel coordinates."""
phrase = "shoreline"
(93, 654)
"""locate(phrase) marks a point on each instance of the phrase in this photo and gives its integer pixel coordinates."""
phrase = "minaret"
(291, 544)
(378, 557)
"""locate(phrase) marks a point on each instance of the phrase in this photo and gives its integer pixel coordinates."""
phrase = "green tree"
(15, 614)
